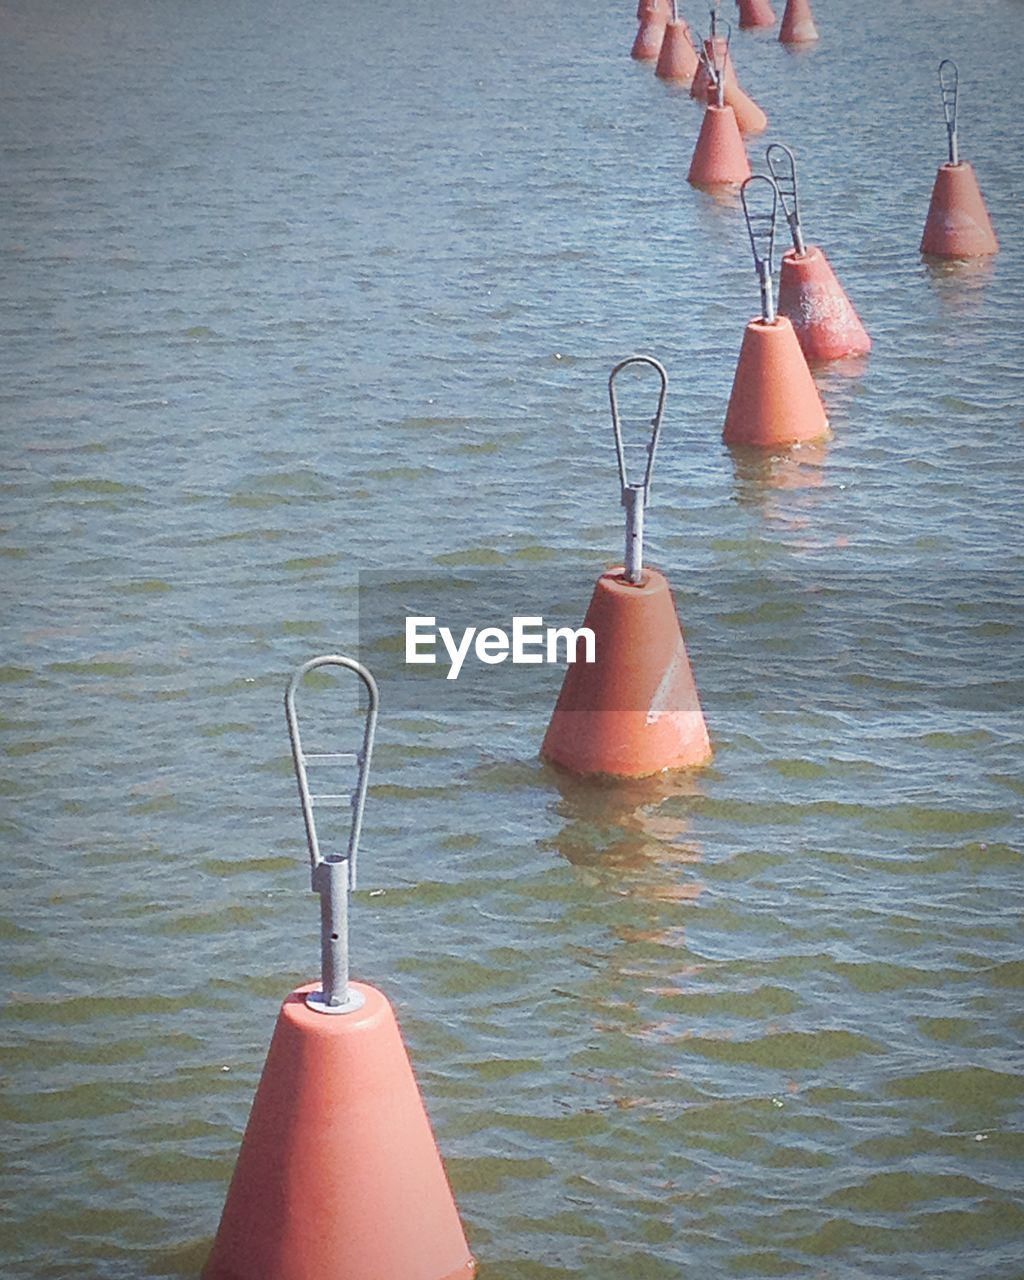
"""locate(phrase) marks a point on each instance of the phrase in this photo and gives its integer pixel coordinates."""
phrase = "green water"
(299, 303)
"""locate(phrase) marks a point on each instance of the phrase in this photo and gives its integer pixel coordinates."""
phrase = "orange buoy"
(755, 13)
(653, 19)
(749, 116)
(338, 1172)
(774, 402)
(634, 710)
(715, 60)
(958, 224)
(678, 59)
(810, 295)
(798, 23)
(719, 158)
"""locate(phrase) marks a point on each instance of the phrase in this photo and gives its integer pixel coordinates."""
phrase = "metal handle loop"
(362, 759)
(761, 228)
(333, 876)
(782, 165)
(636, 494)
(949, 88)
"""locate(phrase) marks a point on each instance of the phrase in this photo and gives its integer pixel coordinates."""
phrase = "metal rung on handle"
(636, 494)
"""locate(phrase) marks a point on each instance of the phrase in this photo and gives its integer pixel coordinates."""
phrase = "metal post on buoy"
(782, 164)
(636, 494)
(949, 88)
(333, 875)
(761, 223)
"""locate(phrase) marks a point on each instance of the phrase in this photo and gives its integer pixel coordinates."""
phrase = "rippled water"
(298, 297)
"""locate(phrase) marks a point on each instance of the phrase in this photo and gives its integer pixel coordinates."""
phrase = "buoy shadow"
(626, 832)
(722, 195)
(758, 472)
(847, 367)
(959, 283)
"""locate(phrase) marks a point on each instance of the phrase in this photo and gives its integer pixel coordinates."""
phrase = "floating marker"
(678, 59)
(958, 225)
(798, 23)
(338, 1173)
(774, 402)
(810, 294)
(634, 711)
(715, 58)
(653, 17)
(755, 13)
(719, 158)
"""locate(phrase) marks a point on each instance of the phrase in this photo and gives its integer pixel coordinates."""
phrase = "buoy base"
(798, 23)
(633, 712)
(811, 297)
(678, 59)
(774, 402)
(338, 1173)
(958, 225)
(756, 13)
(719, 158)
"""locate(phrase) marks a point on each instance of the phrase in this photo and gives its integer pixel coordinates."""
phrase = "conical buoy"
(811, 297)
(647, 45)
(749, 116)
(678, 59)
(827, 327)
(798, 23)
(756, 13)
(774, 402)
(634, 710)
(958, 225)
(719, 158)
(338, 1172)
